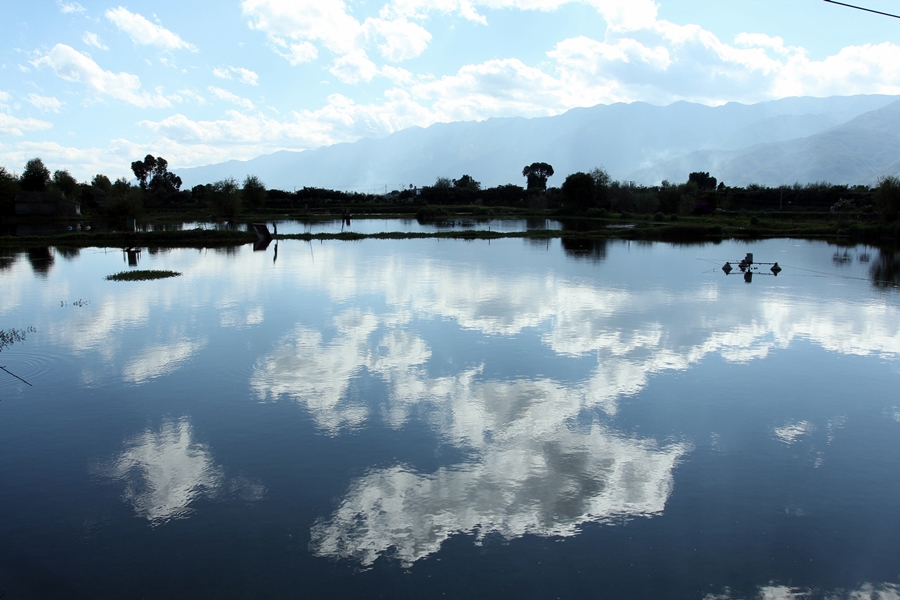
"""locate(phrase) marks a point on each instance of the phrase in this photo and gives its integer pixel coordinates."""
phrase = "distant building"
(46, 204)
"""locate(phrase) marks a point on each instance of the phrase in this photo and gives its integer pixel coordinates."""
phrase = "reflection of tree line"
(885, 270)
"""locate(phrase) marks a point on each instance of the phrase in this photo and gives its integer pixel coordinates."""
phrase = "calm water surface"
(370, 226)
(420, 418)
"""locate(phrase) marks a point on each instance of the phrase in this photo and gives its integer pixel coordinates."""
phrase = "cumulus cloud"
(142, 31)
(92, 39)
(71, 65)
(44, 103)
(229, 97)
(295, 28)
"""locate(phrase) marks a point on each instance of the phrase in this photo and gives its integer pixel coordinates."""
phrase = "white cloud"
(244, 75)
(354, 67)
(310, 22)
(92, 39)
(71, 65)
(70, 7)
(142, 31)
(183, 95)
(44, 103)
(295, 53)
(399, 39)
(10, 125)
(229, 97)
(339, 120)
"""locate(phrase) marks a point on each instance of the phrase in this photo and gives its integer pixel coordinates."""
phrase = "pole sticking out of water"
(16, 376)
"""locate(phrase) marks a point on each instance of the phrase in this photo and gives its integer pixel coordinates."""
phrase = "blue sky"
(92, 86)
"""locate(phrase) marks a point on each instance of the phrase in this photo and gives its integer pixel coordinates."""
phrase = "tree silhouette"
(578, 190)
(35, 177)
(537, 174)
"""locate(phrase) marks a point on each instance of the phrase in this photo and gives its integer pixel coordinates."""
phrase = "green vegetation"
(589, 204)
(141, 275)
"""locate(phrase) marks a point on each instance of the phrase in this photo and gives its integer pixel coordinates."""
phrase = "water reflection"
(164, 471)
(885, 271)
(546, 485)
(41, 260)
(867, 591)
(7, 261)
(591, 249)
(160, 359)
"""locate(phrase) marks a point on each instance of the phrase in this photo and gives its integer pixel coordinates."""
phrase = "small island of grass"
(141, 275)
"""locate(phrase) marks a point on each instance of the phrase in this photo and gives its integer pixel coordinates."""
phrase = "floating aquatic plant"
(141, 275)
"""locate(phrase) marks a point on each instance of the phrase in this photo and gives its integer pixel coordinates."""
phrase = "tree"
(153, 175)
(101, 183)
(9, 187)
(466, 182)
(703, 180)
(578, 190)
(142, 169)
(225, 198)
(64, 182)
(887, 197)
(35, 177)
(254, 191)
(602, 181)
(537, 174)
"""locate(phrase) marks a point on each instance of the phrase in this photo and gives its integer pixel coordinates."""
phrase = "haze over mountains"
(841, 139)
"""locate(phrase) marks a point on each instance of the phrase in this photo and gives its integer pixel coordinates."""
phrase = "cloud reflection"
(160, 359)
(547, 485)
(867, 591)
(165, 471)
(317, 373)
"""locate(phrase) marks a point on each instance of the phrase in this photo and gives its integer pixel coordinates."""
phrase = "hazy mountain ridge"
(839, 139)
(856, 152)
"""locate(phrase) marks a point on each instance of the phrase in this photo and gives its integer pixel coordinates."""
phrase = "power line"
(877, 12)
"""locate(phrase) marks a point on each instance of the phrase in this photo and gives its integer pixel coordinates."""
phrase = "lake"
(427, 418)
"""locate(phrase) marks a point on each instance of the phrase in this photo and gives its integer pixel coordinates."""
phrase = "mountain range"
(841, 140)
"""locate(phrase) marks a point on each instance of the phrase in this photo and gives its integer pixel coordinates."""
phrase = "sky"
(92, 86)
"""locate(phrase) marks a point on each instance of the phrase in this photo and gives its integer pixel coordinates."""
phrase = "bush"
(659, 217)
(754, 221)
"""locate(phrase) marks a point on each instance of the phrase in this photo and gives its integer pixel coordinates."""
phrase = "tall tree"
(64, 182)
(142, 169)
(537, 174)
(35, 177)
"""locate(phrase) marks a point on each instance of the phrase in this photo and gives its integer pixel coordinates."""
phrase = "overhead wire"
(877, 12)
